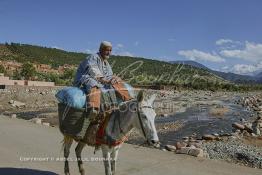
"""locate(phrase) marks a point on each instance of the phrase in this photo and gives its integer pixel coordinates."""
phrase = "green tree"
(2, 69)
(28, 70)
(16, 75)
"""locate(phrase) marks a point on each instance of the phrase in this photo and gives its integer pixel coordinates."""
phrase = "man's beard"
(106, 56)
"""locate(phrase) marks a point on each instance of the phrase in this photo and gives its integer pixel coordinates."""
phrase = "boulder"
(238, 126)
(208, 137)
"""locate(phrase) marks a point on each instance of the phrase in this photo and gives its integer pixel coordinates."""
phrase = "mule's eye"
(143, 116)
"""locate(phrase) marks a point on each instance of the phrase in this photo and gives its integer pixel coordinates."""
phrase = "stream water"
(198, 120)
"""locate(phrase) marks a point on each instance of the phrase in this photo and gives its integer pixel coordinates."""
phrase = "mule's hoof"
(82, 172)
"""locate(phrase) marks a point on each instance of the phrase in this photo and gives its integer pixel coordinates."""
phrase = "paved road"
(21, 141)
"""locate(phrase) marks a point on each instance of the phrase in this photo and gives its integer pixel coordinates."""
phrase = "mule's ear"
(152, 99)
(140, 96)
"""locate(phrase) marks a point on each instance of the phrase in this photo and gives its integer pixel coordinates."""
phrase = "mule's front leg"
(78, 151)
(67, 145)
(106, 159)
(114, 155)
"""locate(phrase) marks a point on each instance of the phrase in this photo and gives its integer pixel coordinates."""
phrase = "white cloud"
(56, 47)
(90, 51)
(124, 53)
(225, 68)
(119, 49)
(119, 46)
(199, 55)
(244, 69)
(223, 41)
(251, 52)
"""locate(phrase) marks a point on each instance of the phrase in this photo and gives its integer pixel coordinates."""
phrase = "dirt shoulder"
(23, 141)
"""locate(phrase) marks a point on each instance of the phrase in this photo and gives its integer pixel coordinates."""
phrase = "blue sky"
(221, 34)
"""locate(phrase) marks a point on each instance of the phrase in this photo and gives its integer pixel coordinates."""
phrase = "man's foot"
(93, 114)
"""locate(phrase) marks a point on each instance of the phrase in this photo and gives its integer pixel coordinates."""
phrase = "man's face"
(106, 52)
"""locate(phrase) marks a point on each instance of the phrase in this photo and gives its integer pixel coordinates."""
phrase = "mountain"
(259, 77)
(135, 70)
(191, 63)
(236, 78)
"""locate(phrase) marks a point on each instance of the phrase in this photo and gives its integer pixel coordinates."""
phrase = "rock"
(13, 116)
(215, 134)
(165, 115)
(246, 133)
(46, 124)
(37, 120)
(208, 137)
(16, 103)
(238, 126)
(42, 93)
(248, 128)
(225, 135)
(170, 148)
(180, 145)
(198, 145)
(197, 152)
(242, 120)
(185, 138)
(183, 150)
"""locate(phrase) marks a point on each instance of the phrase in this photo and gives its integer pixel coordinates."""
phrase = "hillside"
(134, 70)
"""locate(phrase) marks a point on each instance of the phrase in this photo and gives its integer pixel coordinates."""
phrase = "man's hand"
(115, 79)
(104, 81)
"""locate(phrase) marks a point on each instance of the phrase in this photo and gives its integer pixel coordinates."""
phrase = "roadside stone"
(37, 120)
(183, 150)
(46, 124)
(197, 152)
(180, 145)
(13, 116)
(170, 148)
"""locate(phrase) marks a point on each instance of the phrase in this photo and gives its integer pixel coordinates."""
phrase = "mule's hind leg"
(78, 151)
(67, 144)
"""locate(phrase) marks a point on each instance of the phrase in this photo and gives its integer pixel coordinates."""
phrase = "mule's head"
(146, 118)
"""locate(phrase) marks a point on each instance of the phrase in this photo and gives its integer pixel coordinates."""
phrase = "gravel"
(233, 150)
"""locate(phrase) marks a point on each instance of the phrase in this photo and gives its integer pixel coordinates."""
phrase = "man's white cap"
(105, 44)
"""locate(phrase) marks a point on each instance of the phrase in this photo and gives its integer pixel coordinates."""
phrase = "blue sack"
(72, 96)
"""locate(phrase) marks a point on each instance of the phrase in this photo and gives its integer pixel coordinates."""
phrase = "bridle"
(140, 120)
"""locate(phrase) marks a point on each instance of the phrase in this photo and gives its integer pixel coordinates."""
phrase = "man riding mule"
(136, 113)
(95, 73)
